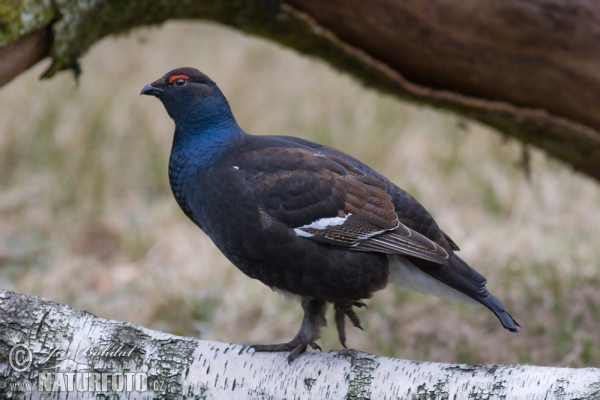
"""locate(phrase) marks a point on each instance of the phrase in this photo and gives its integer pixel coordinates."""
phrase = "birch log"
(65, 341)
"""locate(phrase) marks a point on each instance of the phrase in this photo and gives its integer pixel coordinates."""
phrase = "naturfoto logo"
(69, 375)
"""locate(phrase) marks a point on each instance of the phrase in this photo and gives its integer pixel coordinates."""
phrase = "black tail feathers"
(497, 308)
(460, 276)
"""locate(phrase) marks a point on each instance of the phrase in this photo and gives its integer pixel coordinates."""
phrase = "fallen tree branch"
(51, 349)
(24, 53)
(529, 69)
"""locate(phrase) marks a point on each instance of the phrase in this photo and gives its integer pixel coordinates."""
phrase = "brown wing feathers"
(366, 211)
(368, 221)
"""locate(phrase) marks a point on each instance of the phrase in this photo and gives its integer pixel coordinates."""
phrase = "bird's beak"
(151, 90)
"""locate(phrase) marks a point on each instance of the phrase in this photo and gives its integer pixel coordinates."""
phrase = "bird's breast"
(182, 179)
(221, 203)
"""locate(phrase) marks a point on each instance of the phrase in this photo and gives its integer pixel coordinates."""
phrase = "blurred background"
(87, 217)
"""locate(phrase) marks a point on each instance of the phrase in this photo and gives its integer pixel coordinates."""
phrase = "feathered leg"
(310, 330)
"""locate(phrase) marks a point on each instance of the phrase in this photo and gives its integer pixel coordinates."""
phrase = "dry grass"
(87, 218)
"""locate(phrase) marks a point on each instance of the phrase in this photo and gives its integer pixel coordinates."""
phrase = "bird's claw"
(315, 346)
(295, 347)
(343, 311)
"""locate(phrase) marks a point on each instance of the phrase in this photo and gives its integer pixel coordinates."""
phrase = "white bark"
(178, 367)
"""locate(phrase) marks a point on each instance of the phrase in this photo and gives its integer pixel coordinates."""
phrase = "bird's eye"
(178, 79)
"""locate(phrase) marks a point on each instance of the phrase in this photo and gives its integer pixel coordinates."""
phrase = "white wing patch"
(321, 224)
(302, 233)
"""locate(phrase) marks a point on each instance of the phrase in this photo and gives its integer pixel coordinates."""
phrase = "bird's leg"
(340, 324)
(341, 311)
(310, 330)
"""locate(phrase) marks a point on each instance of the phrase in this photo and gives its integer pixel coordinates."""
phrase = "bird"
(303, 218)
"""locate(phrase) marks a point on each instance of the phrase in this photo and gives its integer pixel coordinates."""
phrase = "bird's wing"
(326, 198)
(410, 212)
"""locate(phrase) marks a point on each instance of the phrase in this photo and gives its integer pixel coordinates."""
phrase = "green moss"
(78, 24)
(9, 20)
(18, 17)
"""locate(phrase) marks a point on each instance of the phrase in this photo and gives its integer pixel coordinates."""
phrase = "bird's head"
(191, 98)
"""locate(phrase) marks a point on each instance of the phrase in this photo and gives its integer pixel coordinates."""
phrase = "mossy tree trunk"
(44, 346)
(531, 69)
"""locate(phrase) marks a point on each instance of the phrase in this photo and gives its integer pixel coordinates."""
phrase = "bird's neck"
(195, 149)
(201, 138)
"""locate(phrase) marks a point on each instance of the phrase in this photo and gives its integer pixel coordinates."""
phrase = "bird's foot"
(296, 347)
(310, 331)
(343, 310)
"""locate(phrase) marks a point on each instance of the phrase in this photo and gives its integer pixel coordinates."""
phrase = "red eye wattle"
(173, 77)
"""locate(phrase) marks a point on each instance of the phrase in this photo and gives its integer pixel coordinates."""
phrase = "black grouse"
(304, 218)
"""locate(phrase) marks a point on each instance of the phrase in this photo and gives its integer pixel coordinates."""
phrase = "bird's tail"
(457, 275)
(460, 276)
